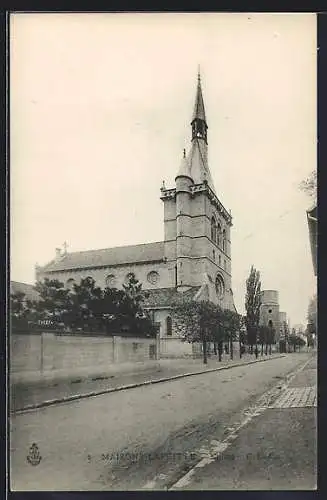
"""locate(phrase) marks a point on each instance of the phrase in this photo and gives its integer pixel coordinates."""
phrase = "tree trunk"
(205, 354)
(262, 349)
(220, 350)
(231, 347)
(266, 350)
(215, 348)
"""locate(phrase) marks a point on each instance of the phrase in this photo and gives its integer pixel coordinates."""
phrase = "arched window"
(224, 240)
(219, 234)
(70, 284)
(110, 280)
(169, 326)
(219, 260)
(220, 286)
(213, 229)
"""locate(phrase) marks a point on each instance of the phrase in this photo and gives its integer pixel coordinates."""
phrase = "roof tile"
(147, 252)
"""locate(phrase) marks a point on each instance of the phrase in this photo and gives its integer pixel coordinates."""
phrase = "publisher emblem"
(34, 457)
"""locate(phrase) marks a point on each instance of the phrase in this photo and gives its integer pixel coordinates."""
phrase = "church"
(194, 259)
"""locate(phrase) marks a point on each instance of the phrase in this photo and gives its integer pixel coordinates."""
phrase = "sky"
(100, 110)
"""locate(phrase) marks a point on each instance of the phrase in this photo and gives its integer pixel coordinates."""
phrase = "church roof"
(25, 288)
(146, 252)
(164, 297)
(199, 111)
(198, 163)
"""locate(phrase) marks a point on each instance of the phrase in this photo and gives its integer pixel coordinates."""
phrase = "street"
(153, 437)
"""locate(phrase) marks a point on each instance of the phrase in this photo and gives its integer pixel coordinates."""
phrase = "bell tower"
(197, 226)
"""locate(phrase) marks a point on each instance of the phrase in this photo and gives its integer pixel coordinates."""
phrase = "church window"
(110, 280)
(70, 284)
(270, 311)
(224, 240)
(213, 229)
(153, 277)
(214, 255)
(169, 326)
(89, 280)
(225, 264)
(219, 235)
(220, 286)
(219, 260)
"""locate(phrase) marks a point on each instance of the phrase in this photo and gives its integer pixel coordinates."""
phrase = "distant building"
(25, 288)
(193, 260)
(283, 325)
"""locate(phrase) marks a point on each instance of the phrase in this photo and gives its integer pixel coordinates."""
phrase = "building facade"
(193, 260)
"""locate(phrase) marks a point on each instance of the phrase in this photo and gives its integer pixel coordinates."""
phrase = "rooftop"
(164, 297)
(25, 288)
(146, 252)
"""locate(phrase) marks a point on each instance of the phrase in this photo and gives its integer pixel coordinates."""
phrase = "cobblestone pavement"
(143, 438)
(297, 397)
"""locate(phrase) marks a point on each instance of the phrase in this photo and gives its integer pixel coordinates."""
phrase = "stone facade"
(269, 311)
(195, 255)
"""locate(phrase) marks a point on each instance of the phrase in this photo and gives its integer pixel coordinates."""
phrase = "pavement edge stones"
(75, 397)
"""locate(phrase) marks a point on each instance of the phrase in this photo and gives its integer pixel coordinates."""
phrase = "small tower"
(184, 182)
(269, 311)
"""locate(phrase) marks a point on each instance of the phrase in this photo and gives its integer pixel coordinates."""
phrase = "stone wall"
(49, 351)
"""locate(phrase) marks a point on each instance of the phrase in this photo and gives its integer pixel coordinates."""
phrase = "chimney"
(58, 254)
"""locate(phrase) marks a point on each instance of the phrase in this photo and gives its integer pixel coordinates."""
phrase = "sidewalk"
(277, 450)
(51, 390)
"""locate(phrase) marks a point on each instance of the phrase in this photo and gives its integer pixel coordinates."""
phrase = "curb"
(75, 397)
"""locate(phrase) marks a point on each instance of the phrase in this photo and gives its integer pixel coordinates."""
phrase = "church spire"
(199, 122)
(198, 156)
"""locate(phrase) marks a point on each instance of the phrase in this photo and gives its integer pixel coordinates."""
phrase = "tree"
(18, 311)
(85, 304)
(54, 300)
(312, 315)
(205, 322)
(89, 307)
(252, 306)
(266, 336)
(262, 337)
(231, 327)
(17, 304)
(132, 308)
(309, 186)
(195, 322)
(295, 340)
